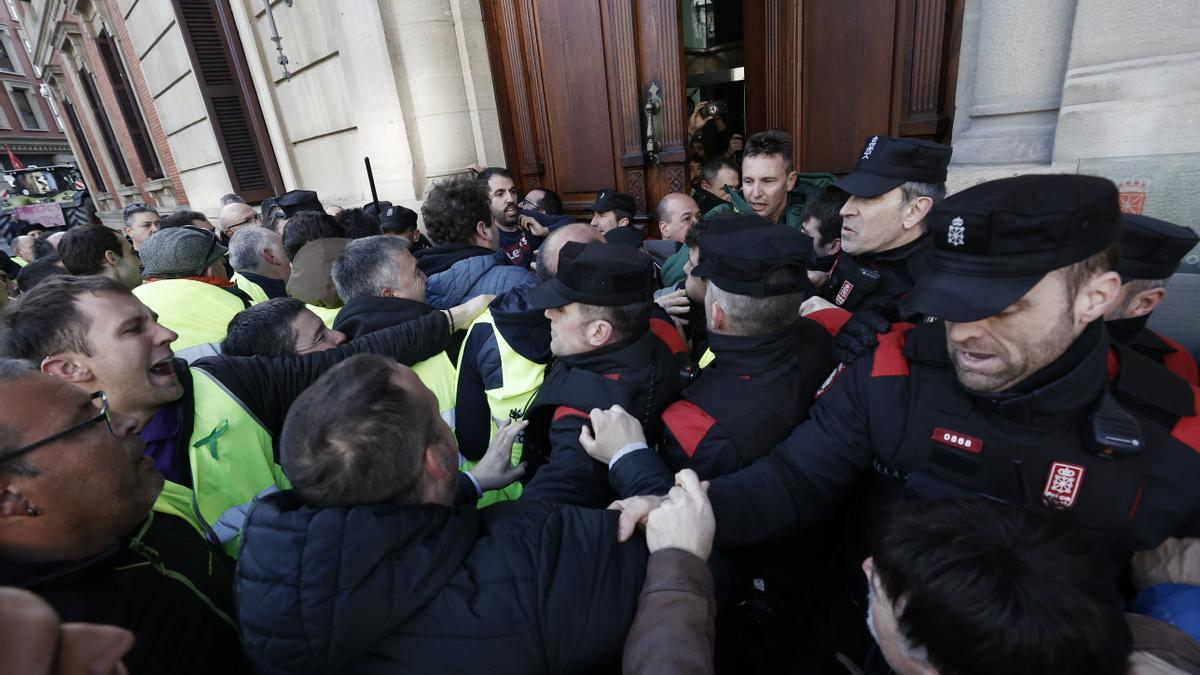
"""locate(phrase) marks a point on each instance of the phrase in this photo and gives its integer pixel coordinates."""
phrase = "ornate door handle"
(652, 107)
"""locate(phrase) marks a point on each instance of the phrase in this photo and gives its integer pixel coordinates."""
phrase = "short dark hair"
(913, 189)
(47, 321)
(307, 226)
(11, 369)
(42, 248)
(622, 215)
(264, 329)
(1077, 274)
(134, 209)
(712, 167)
(452, 209)
(485, 175)
(762, 316)
(826, 209)
(38, 271)
(550, 202)
(358, 224)
(991, 588)
(180, 219)
(82, 248)
(356, 437)
(627, 320)
(768, 143)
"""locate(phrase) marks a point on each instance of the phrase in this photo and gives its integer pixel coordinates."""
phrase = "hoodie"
(524, 328)
(310, 281)
(384, 588)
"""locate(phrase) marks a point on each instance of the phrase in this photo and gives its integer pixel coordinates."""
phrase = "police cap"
(1152, 248)
(611, 200)
(740, 260)
(607, 275)
(396, 218)
(887, 163)
(995, 241)
(295, 201)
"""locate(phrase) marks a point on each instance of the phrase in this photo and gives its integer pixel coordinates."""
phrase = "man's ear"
(717, 321)
(1096, 297)
(791, 180)
(835, 246)
(624, 222)
(915, 212)
(110, 258)
(598, 332)
(1146, 302)
(13, 503)
(432, 464)
(67, 366)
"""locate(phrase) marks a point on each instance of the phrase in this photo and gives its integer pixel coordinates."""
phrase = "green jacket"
(808, 186)
(672, 270)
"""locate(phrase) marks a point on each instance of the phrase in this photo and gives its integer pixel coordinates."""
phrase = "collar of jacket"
(921, 244)
(1134, 333)
(274, 288)
(365, 315)
(632, 352)
(436, 259)
(212, 281)
(51, 573)
(753, 354)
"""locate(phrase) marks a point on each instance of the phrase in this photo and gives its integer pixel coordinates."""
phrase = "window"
(84, 148)
(132, 114)
(106, 131)
(26, 108)
(8, 58)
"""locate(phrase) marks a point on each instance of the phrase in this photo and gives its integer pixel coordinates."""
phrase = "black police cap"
(995, 241)
(1152, 248)
(886, 163)
(396, 218)
(607, 275)
(295, 201)
(611, 200)
(739, 260)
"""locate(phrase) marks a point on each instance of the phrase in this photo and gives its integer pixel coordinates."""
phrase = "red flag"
(12, 158)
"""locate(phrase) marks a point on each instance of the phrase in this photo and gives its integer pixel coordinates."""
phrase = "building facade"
(30, 126)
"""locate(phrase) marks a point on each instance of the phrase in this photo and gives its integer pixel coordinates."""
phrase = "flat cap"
(179, 252)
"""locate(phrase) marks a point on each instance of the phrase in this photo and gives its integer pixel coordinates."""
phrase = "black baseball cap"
(995, 241)
(739, 260)
(396, 218)
(1152, 248)
(295, 201)
(597, 274)
(886, 163)
(611, 200)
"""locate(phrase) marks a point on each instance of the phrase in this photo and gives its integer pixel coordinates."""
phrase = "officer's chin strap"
(1114, 432)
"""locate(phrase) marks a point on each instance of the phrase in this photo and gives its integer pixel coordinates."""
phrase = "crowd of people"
(787, 423)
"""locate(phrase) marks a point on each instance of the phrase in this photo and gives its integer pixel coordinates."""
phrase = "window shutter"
(128, 104)
(106, 130)
(84, 148)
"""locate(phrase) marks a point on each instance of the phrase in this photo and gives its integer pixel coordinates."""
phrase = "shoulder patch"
(1187, 429)
(567, 411)
(889, 355)
(666, 333)
(688, 423)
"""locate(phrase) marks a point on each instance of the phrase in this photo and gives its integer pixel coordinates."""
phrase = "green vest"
(326, 314)
(256, 293)
(439, 375)
(520, 381)
(18, 260)
(232, 462)
(197, 311)
(707, 357)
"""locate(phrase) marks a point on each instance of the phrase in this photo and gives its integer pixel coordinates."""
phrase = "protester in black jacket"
(365, 567)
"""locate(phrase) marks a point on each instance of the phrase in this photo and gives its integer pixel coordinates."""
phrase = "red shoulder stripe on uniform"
(831, 318)
(688, 423)
(667, 333)
(1187, 429)
(1181, 362)
(889, 355)
(567, 411)
(1114, 364)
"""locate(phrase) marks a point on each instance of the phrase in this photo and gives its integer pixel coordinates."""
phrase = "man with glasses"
(209, 428)
(234, 216)
(141, 221)
(187, 285)
(76, 528)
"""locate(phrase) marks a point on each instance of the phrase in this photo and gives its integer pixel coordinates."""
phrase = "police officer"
(1150, 253)
(1011, 398)
(295, 201)
(599, 306)
(768, 361)
(884, 243)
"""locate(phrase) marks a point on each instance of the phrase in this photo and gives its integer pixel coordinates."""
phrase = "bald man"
(506, 351)
(234, 215)
(676, 214)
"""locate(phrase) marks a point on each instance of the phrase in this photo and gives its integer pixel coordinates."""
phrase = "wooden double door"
(591, 93)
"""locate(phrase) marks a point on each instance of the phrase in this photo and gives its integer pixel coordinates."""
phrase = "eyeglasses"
(102, 416)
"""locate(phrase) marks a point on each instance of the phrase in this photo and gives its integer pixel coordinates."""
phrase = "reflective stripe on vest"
(197, 311)
(232, 464)
(439, 375)
(256, 292)
(326, 314)
(707, 357)
(520, 381)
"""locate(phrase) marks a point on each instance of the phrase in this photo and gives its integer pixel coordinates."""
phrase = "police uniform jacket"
(748, 400)
(1158, 348)
(877, 280)
(900, 416)
(640, 374)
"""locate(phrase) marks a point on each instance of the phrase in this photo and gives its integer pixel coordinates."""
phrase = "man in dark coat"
(366, 567)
